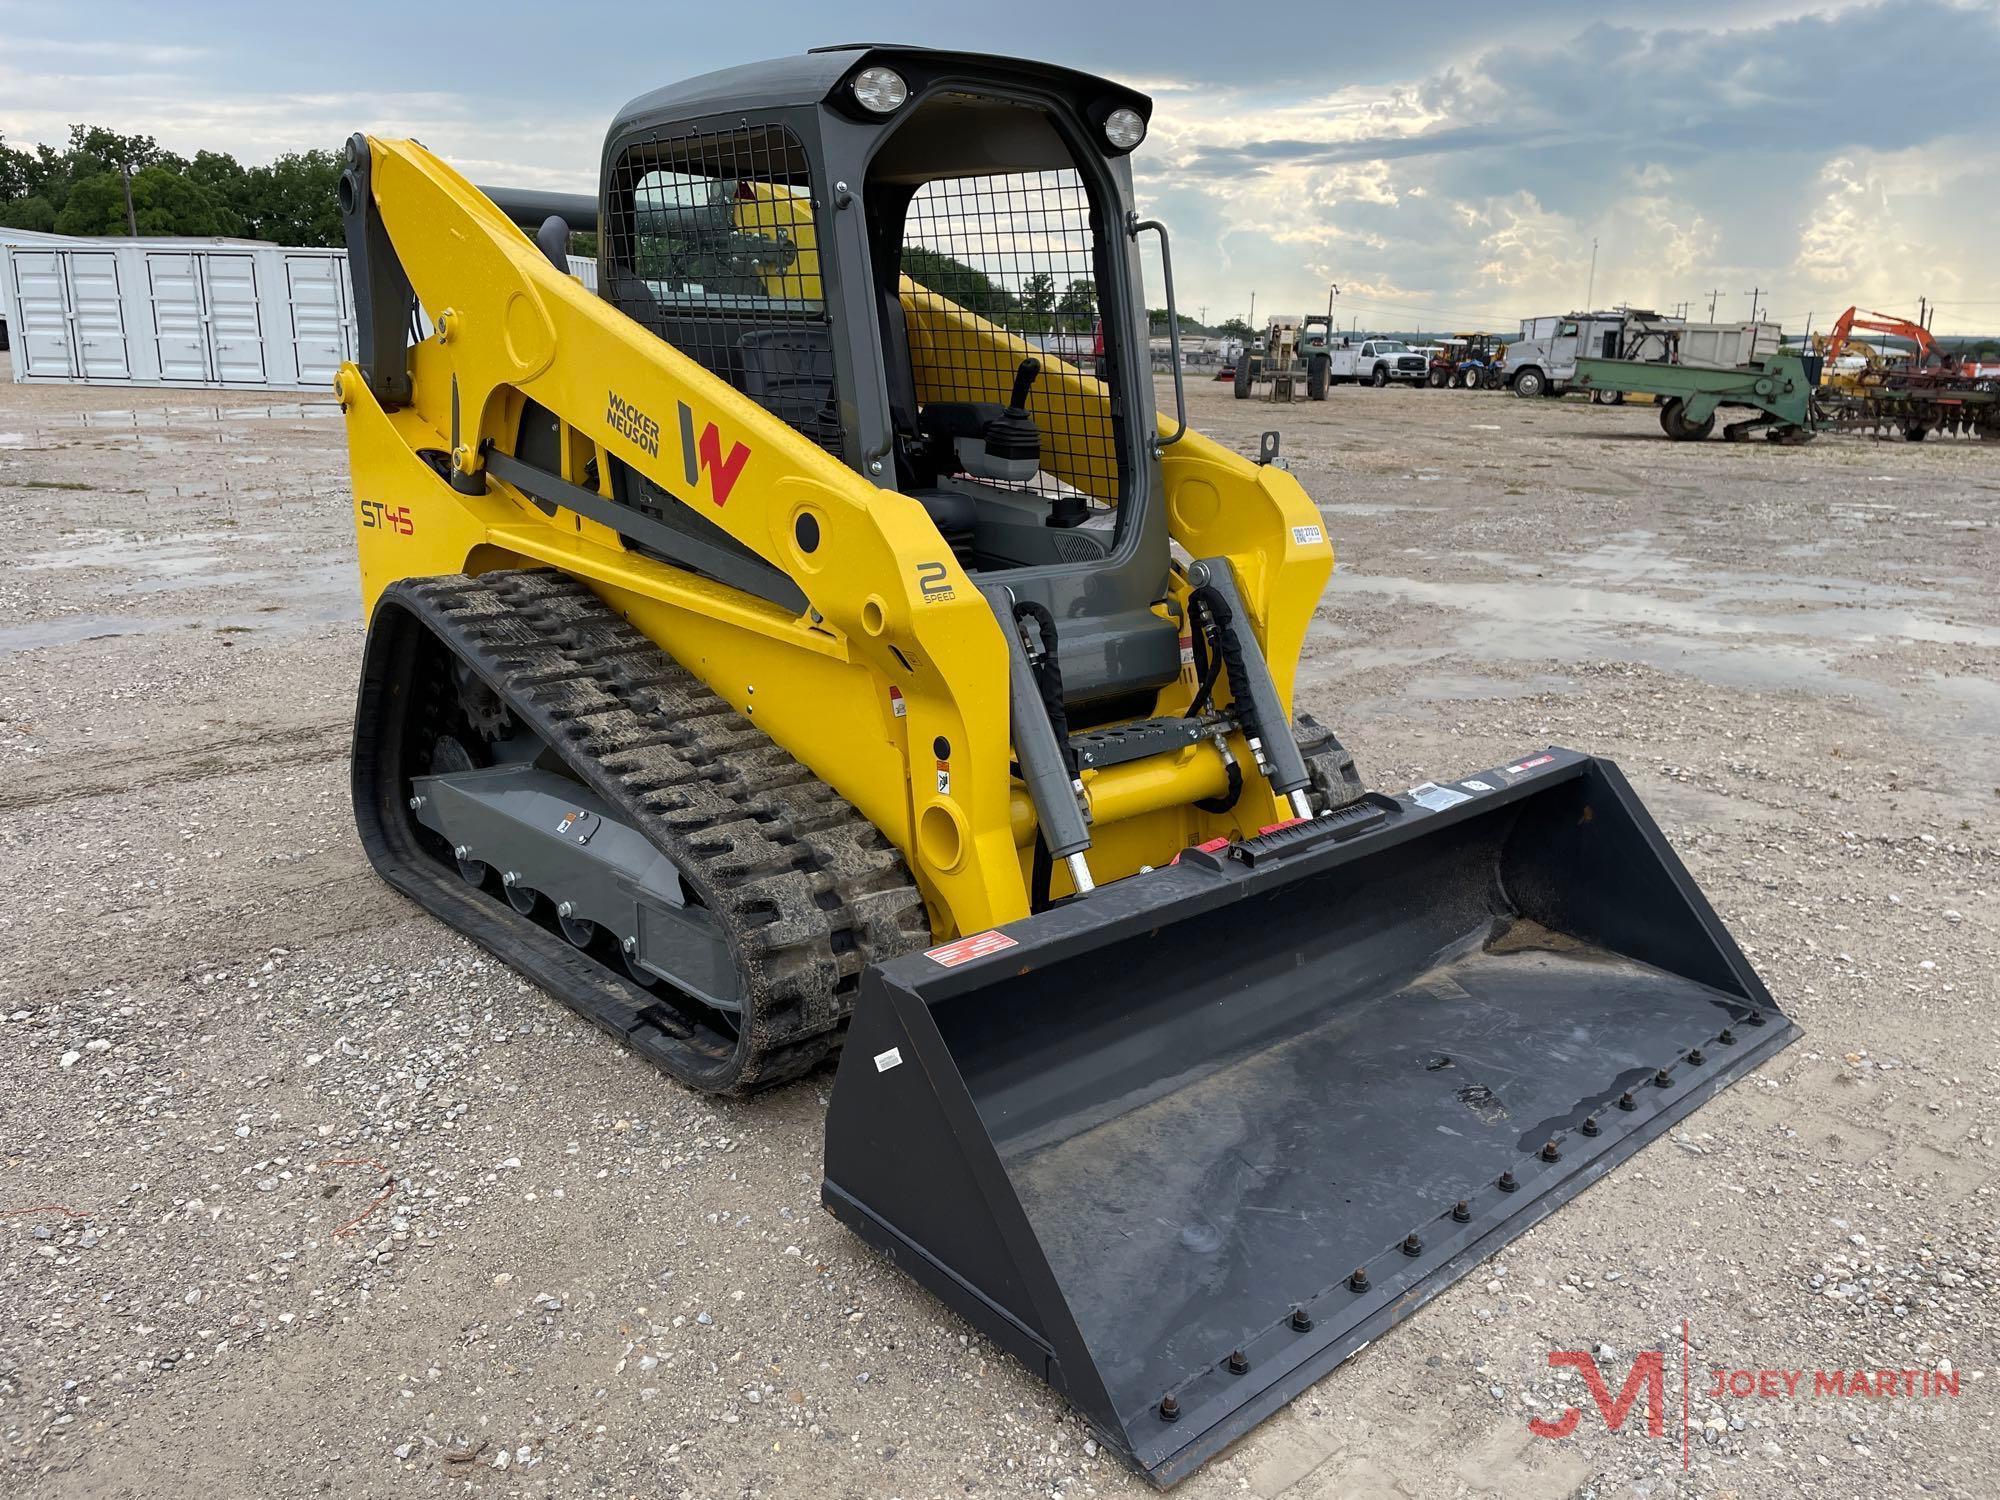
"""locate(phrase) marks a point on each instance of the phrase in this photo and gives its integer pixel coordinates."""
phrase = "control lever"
(1011, 443)
(1024, 381)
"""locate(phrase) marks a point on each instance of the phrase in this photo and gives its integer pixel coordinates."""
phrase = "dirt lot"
(220, 1030)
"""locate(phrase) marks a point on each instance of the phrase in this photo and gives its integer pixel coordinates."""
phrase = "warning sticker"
(884, 1061)
(1529, 765)
(896, 704)
(1437, 798)
(964, 950)
(1308, 536)
(1187, 650)
(1477, 786)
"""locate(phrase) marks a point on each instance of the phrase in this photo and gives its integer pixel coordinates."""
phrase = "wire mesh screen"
(713, 246)
(1016, 250)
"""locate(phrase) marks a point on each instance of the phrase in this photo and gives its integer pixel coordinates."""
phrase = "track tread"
(805, 888)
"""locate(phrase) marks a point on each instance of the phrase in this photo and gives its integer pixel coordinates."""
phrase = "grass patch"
(53, 484)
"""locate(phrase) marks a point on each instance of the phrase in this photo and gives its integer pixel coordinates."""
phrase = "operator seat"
(955, 515)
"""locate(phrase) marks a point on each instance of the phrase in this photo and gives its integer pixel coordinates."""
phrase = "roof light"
(881, 90)
(1124, 129)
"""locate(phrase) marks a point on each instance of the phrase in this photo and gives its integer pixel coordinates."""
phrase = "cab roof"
(808, 78)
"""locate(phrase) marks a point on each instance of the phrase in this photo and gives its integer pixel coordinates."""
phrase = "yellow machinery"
(787, 645)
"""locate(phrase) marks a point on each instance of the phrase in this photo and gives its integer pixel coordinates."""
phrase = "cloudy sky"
(1446, 163)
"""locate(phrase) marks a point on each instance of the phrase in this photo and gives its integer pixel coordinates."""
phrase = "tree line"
(103, 182)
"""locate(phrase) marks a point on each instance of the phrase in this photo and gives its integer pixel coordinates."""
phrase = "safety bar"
(1135, 226)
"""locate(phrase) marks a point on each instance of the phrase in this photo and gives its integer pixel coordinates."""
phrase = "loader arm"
(884, 596)
(502, 313)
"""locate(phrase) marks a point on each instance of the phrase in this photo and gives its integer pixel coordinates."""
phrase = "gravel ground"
(301, 1194)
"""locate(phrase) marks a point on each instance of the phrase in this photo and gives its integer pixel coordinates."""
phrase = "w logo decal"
(703, 455)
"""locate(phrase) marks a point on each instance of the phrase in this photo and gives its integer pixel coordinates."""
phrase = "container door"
(97, 307)
(42, 338)
(316, 291)
(180, 328)
(235, 323)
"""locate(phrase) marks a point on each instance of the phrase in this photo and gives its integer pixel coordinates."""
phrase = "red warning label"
(964, 950)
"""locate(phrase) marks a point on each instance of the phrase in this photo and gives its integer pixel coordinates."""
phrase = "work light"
(881, 90)
(1122, 127)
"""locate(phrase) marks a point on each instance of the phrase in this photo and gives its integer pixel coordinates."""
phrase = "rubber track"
(806, 890)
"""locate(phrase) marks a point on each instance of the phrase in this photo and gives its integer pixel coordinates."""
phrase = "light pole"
(1591, 291)
(1253, 314)
(131, 217)
(1332, 291)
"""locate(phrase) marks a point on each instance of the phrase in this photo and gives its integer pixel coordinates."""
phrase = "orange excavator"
(1874, 322)
(1936, 392)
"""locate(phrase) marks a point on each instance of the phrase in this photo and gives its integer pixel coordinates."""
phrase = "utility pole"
(1591, 290)
(1713, 294)
(131, 217)
(1332, 291)
(1253, 314)
(1753, 294)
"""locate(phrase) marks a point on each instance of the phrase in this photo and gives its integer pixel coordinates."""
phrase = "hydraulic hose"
(1048, 677)
(1047, 668)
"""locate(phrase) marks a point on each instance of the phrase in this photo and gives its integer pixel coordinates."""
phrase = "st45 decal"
(377, 515)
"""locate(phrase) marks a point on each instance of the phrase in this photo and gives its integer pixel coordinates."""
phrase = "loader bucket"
(1185, 1145)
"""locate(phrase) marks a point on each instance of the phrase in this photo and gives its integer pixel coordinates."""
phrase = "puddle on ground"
(1977, 698)
(314, 590)
(13, 439)
(189, 553)
(128, 418)
(197, 560)
(1712, 627)
(1634, 557)
(1515, 615)
(1459, 688)
(40, 635)
(69, 630)
(1363, 508)
(1451, 687)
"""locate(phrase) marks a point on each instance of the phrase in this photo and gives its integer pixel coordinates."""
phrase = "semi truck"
(1543, 361)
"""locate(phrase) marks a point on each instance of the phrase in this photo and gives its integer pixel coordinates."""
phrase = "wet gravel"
(301, 1194)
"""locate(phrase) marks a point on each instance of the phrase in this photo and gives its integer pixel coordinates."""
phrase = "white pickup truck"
(1371, 362)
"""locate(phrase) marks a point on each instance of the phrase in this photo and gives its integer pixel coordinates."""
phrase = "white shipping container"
(215, 313)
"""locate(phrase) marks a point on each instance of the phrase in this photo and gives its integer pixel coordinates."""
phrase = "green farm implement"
(1788, 406)
(1778, 389)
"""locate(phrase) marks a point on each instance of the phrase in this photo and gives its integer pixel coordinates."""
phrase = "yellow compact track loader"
(801, 639)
